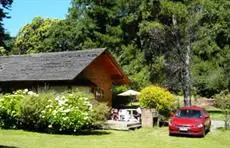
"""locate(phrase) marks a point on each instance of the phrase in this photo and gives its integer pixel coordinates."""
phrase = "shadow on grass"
(78, 133)
(223, 128)
(97, 133)
(4, 146)
(189, 136)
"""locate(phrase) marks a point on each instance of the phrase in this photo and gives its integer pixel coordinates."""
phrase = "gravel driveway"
(216, 124)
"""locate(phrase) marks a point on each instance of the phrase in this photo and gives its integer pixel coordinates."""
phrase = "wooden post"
(147, 117)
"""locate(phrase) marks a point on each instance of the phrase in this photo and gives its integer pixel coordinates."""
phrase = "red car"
(190, 120)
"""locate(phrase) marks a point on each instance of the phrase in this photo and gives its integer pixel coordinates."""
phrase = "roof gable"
(46, 66)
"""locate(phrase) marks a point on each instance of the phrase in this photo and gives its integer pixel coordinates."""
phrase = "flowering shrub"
(156, 97)
(67, 112)
(47, 111)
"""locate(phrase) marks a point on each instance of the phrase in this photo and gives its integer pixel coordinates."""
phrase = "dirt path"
(216, 124)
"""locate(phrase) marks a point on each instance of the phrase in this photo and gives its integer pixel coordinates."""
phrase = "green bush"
(99, 114)
(31, 109)
(10, 110)
(222, 101)
(156, 97)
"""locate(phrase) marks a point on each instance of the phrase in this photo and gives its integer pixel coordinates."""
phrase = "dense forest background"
(151, 39)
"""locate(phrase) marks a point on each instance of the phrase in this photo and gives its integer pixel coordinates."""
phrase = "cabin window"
(82, 89)
(98, 92)
(59, 89)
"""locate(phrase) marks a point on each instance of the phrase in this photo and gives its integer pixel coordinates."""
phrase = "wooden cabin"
(92, 71)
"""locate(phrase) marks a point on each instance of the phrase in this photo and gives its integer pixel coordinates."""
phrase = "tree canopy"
(4, 5)
(33, 38)
(149, 38)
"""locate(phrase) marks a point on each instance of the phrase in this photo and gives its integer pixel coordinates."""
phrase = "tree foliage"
(211, 49)
(32, 38)
(222, 100)
(149, 38)
(4, 5)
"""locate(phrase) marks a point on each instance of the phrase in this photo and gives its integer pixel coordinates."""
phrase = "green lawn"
(142, 138)
(217, 116)
(215, 113)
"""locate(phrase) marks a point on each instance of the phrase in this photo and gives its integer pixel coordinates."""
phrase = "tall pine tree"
(5, 5)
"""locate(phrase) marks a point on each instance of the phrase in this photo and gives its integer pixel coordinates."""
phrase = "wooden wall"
(96, 73)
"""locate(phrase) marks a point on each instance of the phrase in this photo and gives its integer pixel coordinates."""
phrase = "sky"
(23, 11)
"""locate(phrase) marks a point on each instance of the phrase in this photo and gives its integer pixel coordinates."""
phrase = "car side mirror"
(171, 115)
(206, 116)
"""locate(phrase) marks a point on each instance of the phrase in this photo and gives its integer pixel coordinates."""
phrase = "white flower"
(90, 106)
(57, 98)
(66, 110)
(32, 93)
(49, 106)
(61, 102)
(54, 112)
(70, 95)
(83, 98)
(26, 91)
(50, 126)
(85, 113)
(42, 116)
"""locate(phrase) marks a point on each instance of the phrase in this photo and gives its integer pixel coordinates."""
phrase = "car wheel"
(203, 132)
(208, 130)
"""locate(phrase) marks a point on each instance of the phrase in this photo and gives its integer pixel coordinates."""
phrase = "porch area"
(121, 125)
(124, 119)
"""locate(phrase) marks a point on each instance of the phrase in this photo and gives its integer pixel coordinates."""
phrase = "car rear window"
(187, 113)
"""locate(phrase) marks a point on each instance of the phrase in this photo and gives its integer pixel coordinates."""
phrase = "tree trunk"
(186, 78)
(185, 75)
